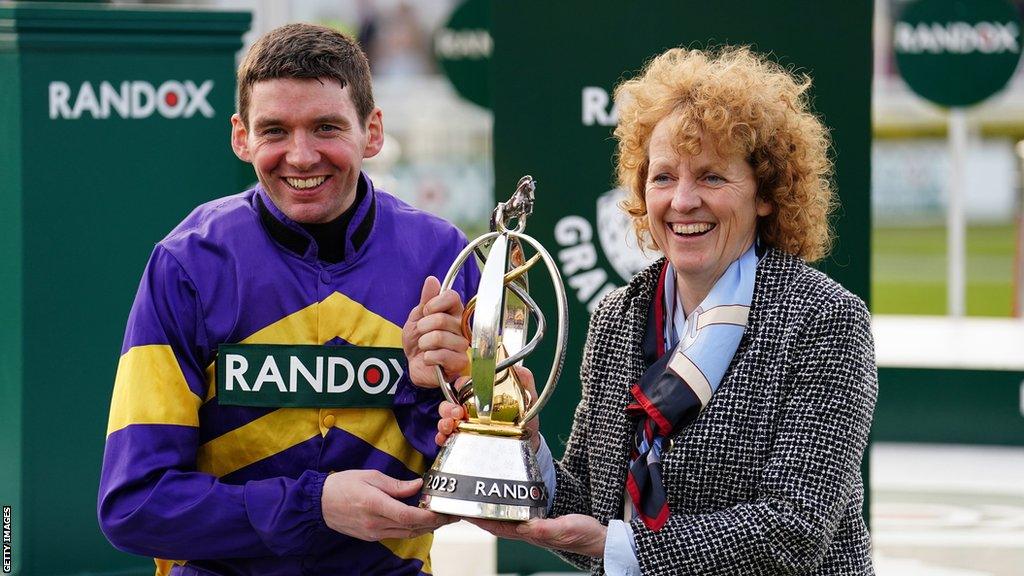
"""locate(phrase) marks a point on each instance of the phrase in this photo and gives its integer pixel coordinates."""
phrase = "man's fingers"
(431, 288)
(447, 302)
(437, 340)
(404, 516)
(451, 363)
(393, 486)
(440, 321)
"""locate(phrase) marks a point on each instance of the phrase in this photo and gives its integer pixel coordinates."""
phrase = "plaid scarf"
(678, 385)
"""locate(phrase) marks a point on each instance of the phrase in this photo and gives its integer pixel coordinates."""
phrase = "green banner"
(957, 53)
(296, 376)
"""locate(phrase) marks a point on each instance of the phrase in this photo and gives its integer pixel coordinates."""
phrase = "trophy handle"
(448, 388)
(561, 303)
(561, 335)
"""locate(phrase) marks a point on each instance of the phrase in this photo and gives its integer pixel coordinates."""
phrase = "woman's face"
(702, 209)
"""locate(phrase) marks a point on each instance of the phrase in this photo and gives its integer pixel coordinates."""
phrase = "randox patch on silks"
(307, 376)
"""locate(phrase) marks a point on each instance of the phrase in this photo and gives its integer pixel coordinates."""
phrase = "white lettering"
(197, 98)
(86, 101)
(579, 260)
(956, 37)
(60, 93)
(479, 488)
(235, 371)
(494, 491)
(269, 373)
(398, 370)
(573, 230)
(595, 107)
(134, 99)
(332, 386)
(576, 258)
(459, 44)
(315, 382)
(143, 99)
(119, 100)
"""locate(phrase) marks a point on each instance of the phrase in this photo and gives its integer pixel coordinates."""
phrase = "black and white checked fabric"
(767, 480)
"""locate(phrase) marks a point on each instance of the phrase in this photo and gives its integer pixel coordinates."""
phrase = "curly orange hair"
(740, 102)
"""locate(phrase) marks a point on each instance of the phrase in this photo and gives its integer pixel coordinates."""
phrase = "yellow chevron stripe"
(263, 437)
(150, 389)
(378, 428)
(348, 319)
(413, 548)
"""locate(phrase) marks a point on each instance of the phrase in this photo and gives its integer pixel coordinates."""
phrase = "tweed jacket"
(767, 479)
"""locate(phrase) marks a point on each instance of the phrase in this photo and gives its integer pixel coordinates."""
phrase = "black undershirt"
(330, 236)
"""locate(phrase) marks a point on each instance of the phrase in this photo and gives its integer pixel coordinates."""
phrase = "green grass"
(909, 270)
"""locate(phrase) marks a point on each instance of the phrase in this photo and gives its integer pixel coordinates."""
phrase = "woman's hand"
(575, 533)
(452, 414)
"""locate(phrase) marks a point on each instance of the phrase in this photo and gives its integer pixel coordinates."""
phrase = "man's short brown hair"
(306, 51)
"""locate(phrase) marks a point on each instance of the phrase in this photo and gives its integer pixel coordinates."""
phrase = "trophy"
(487, 469)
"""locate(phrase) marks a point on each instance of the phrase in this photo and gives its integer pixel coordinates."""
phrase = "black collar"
(329, 237)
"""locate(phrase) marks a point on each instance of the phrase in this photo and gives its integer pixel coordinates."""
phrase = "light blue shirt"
(619, 545)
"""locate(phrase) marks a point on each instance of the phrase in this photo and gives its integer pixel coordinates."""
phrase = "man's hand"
(572, 533)
(362, 504)
(432, 336)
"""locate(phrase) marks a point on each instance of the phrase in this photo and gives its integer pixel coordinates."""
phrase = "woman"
(727, 391)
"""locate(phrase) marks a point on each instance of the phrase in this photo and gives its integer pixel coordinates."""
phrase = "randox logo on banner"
(297, 376)
(130, 99)
(954, 52)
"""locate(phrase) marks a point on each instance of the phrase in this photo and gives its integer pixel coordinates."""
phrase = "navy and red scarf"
(681, 377)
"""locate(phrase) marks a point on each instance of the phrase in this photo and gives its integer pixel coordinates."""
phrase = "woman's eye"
(714, 179)
(661, 179)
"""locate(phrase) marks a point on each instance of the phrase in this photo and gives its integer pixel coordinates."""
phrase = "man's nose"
(302, 152)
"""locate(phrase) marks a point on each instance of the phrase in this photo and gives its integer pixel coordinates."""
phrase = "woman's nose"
(686, 196)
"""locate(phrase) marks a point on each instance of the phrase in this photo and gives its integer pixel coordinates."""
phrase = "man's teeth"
(303, 183)
(692, 228)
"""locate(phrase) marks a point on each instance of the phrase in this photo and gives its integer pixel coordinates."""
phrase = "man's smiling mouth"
(305, 183)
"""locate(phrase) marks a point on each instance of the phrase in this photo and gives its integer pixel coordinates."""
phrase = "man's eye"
(272, 132)
(329, 128)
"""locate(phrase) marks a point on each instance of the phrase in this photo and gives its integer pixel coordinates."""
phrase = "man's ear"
(240, 139)
(374, 133)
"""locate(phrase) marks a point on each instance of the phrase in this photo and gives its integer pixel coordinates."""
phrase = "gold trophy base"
(485, 475)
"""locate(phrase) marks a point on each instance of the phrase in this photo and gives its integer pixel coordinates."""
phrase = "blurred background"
(947, 459)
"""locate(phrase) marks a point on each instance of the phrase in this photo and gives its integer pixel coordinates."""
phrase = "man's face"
(306, 142)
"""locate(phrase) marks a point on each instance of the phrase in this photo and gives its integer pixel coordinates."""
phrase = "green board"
(555, 65)
(957, 52)
(114, 124)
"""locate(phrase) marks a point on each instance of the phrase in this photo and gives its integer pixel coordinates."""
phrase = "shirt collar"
(294, 238)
